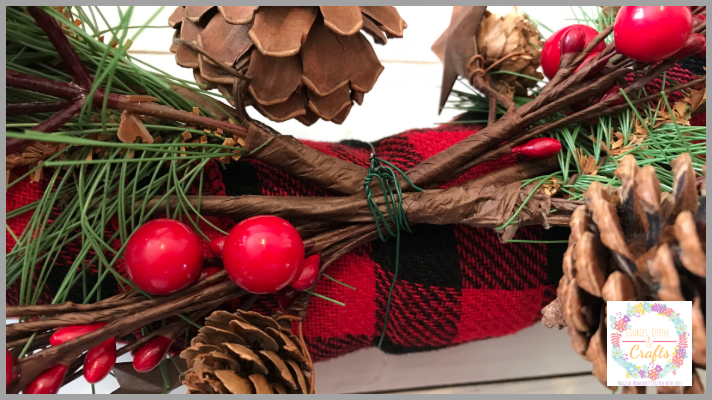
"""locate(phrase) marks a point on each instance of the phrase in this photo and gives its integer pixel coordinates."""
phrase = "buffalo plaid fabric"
(455, 284)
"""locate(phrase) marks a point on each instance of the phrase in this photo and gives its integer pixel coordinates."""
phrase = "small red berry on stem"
(573, 40)
(9, 368)
(49, 382)
(286, 296)
(72, 332)
(151, 354)
(694, 44)
(651, 33)
(216, 246)
(551, 52)
(310, 271)
(697, 20)
(99, 361)
(263, 254)
(539, 148)
(612, 91)
(163, 256)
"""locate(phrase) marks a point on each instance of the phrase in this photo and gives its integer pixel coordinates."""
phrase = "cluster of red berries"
(644, 33)
(262, 254)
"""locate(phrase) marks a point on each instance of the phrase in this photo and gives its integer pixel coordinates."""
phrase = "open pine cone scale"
(629, 244)
(303, 62)
(246, 353)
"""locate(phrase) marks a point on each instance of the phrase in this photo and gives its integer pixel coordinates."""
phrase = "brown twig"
(12, 109)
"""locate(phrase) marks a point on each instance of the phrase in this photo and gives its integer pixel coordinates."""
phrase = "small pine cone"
(506, 43)
(246, 353)
(634, 243)
(304, 62)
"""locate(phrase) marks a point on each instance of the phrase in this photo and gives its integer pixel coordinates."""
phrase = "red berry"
(539, 148)
(614, 90)
(151, 354)
(703, 51)
(99, 361)
(551, 52)
(216, 246)
(573, 40)
(651, 33)
(49, 382)
(310, 271)
(163, 256)
(72, 332)
(207, 271)
(286, 296)
(263, 254)
(586, 60)
(9, 368)
(694, 44)
(698, 20)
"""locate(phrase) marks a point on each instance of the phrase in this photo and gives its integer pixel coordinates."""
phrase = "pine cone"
(500, 37)
(246, 353)
(652, 251)
(506, 43)
(306, 63)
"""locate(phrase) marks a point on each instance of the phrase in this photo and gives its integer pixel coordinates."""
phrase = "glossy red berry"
(151, 354)
(49, 382)
(539, 148)
(551, 52)
(651, 33)
(216, 246)
(263, 254)
(286, 296)
(694, 44)
(588, 59)
(9, 368)
(572, 41)
(207, 271)
(698, 20)
(310, 271)
(68, 333)
(612, 91)
(99, 361)
(163, 256)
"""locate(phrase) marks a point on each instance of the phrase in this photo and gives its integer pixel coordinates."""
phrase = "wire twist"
(386, 175)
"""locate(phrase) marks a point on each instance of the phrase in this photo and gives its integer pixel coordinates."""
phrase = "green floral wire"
(386, 176)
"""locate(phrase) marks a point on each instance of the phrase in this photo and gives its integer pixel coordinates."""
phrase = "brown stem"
(119, 309)
(68, 307)
(12, 109)
(479, 83)
(58, 120)
(492, 117)
(60, 42)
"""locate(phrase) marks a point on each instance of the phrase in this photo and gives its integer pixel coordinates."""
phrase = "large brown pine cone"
(306, 63)
(247, 353)
(633, 243)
